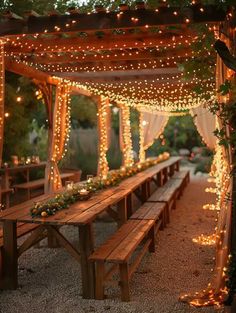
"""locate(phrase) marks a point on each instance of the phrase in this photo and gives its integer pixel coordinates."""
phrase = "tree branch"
(223, 51)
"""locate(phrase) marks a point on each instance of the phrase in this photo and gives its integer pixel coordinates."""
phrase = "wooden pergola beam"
(112, 56)
(114, 20)
(32, 73)
(116, 42)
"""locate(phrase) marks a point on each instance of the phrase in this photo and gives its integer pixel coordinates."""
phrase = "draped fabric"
(104, 129)
(59, 136)
(125, 136)
(205, 122)
(2, 91)
(154, 125)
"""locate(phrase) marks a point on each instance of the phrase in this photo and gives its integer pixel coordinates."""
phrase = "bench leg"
(100, 273)
(124, 282)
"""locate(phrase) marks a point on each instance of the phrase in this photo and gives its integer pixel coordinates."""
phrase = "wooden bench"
(5, 192)
(117, 252)
(168, 194)
(36, 184)
(22, 229)
(152, 211)
(184, 176)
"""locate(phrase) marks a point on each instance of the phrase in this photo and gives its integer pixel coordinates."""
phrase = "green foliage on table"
(68, 197)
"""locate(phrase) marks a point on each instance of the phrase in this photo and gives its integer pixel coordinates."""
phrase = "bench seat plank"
(149, 211)
(106, 249)
(181, 174)
(166, 192)
(123, 251)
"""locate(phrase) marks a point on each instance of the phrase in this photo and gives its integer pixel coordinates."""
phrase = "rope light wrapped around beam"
(126, 140)
(2, 88)
(103, 117)
(60, 135)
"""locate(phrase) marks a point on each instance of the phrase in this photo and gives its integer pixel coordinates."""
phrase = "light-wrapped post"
(126, 146)
(2, 92)
(142, 154)
(103, 135)
(60, 135)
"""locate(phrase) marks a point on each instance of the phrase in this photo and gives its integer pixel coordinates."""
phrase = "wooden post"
(86, 246)
(125, 136)
(103, 111)
(10, 257)
(2, 95)
(142, 153)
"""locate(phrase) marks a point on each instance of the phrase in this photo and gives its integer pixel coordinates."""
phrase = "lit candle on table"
(83, 192)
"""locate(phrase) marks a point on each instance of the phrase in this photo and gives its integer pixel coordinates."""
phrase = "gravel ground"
(50, 279)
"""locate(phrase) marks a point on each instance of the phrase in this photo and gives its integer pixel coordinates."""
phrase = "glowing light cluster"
(2, 79)
(61, 130)
(103, 111)
(126, 146)
(142, 154)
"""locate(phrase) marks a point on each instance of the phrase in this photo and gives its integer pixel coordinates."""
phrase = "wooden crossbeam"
(109, 56)
(32, 73)
(78, 44)
(114, 20)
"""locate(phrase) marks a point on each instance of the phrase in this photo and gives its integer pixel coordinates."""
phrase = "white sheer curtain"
(153, 125)
(205, 122)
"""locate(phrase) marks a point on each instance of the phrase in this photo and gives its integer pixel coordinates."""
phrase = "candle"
(83, 192)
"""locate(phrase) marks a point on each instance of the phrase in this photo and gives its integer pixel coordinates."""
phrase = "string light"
(2, 86)
(103, 111)
(126, 146)
(142, 154)
(61, 130)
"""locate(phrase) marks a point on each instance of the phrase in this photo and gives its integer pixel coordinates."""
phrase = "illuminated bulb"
(19, 99)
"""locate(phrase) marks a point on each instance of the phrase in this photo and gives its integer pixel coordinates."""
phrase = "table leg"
(144, 189)
(129, 204)
(122, 211)
(165, 175)
(9, 256)
(177, 166)
(159, 179)
(86, 245)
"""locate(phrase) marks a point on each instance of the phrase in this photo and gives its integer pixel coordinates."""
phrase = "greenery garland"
(65, 199)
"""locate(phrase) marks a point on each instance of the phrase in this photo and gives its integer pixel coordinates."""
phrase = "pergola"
(129, 57)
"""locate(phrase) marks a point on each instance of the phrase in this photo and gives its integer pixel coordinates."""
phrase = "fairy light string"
(103, 111)
(126, 146)
(61, 132)
(2, 87)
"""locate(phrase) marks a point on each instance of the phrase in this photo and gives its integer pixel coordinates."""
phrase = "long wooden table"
(81, 214)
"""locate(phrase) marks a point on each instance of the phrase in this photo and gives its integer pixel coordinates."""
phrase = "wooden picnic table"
(81, 214)
(6, 172)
